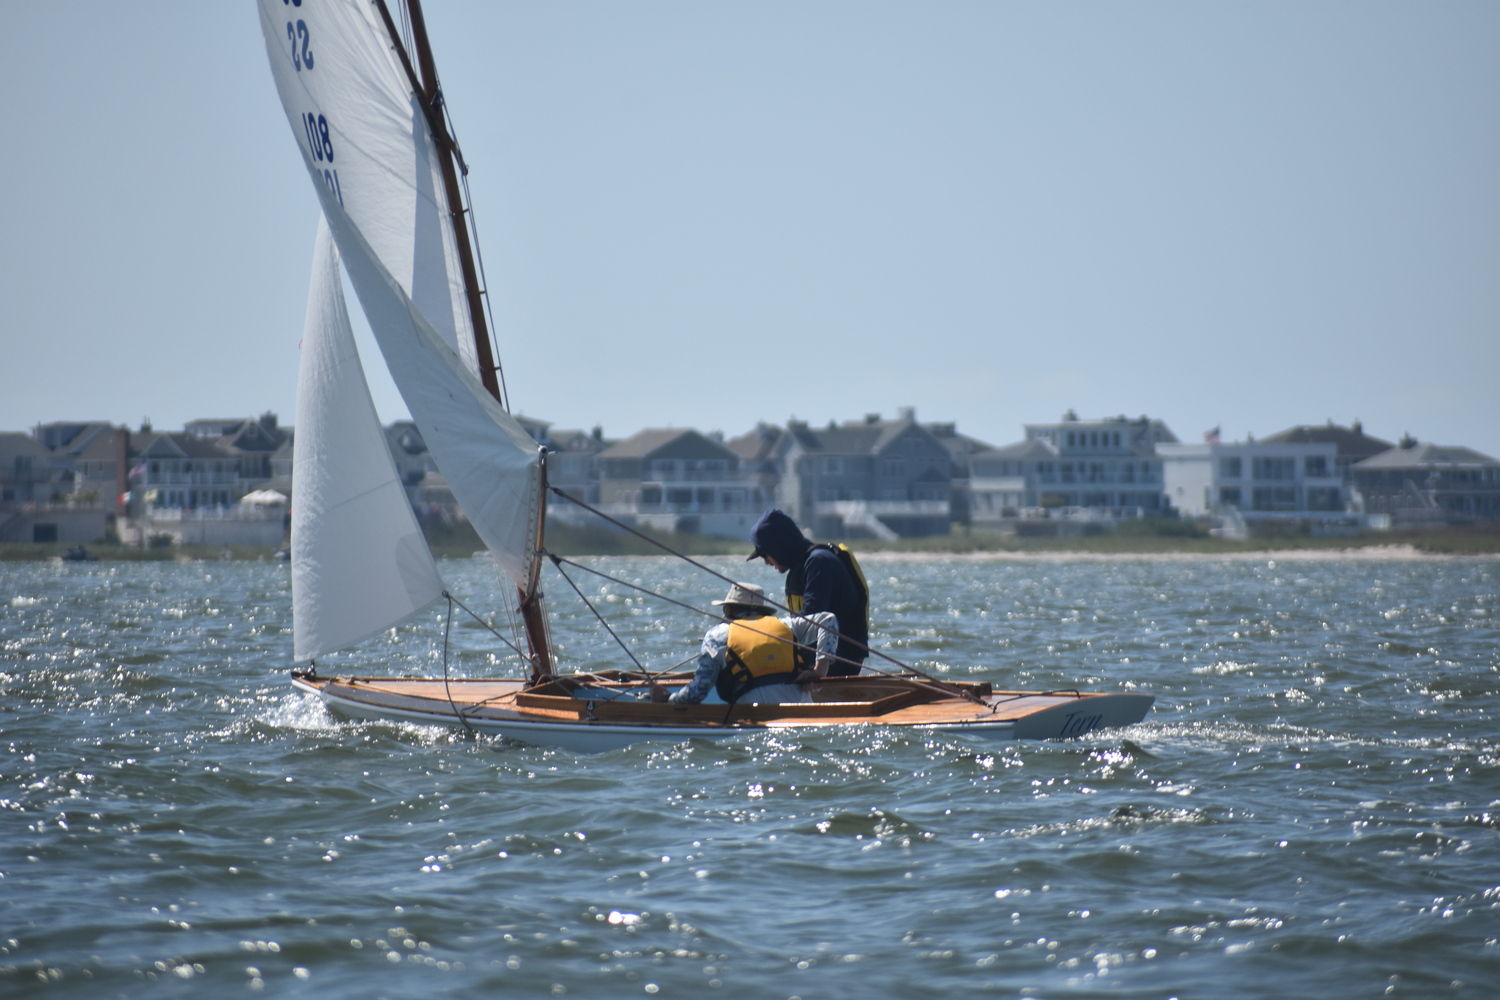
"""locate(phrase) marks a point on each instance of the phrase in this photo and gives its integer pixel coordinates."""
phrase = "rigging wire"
(406, 26)
(484, 282)
(449, 139)
(471, 220)
(444, 136)
(558, 560)
(447, 627)
(713, 572)
(613, 634)
(514, 648)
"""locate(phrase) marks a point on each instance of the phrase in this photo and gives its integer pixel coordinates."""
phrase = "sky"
(706, 214)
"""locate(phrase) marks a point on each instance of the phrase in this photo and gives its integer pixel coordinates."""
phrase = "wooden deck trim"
(506, 701)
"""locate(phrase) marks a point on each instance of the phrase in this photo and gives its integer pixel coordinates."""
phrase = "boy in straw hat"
(756, 658)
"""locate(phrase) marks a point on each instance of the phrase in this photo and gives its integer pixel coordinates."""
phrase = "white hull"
(1046, 716)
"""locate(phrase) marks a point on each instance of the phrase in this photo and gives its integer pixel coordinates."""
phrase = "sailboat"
(361, 94)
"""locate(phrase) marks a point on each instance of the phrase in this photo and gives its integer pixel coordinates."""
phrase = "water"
(1312, 808)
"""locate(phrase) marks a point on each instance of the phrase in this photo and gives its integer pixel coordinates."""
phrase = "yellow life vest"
(759, 651)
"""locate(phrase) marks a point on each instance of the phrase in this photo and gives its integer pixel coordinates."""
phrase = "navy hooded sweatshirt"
(818, 576)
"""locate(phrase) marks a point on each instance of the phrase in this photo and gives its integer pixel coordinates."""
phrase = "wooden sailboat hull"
(597, 713)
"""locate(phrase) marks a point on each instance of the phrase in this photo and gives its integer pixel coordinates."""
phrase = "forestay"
(359, 562)
(374, 163)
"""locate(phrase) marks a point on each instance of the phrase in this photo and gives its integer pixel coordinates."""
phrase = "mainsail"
(366, 141)
(359, 562)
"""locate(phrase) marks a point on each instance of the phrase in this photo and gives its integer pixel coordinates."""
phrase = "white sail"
(490, 462)
(363, 134)
(367, 145)
(359, 562)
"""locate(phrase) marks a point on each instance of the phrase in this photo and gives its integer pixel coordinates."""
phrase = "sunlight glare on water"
(1311, 809)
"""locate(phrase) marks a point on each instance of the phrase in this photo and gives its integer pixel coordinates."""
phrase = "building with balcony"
(26, 474)
(37, 504)
(1351, 444)
(961, 452)
(175, 469)
(1418, 484)
(1008, 483)
(1258, 481)
(212, 463)
(1080, 469)
(865, 478)
(90, 459)
(573, 467)
(678, 480)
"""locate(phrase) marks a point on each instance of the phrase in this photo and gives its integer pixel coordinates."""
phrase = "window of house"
(833, 466)
(1270, 468)
(1323, 498)
(651, 495)
(1230, 468)
(1274, 497)
(1229, 495)
(893, 467)
(1315, 465)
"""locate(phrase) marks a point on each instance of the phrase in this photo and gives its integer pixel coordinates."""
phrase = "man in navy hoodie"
(816, 580)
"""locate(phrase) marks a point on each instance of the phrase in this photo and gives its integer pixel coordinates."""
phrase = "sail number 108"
(319, 142)
(320, 145)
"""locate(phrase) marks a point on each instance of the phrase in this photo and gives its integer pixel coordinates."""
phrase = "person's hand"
(658, 693)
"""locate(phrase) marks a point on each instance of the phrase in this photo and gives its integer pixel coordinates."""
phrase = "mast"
(533, 614)
(431, 104)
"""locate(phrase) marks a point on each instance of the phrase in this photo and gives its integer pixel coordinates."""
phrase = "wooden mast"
(456, 211)
(533, 615)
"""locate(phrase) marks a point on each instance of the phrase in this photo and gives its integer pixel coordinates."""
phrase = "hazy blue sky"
(703, 214)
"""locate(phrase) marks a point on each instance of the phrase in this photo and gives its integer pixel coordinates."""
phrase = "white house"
(1103, 468)
(1262, 480)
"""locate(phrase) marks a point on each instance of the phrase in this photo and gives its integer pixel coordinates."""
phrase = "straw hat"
(747, 595)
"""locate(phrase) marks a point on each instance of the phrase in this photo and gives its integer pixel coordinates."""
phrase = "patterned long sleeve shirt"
(818, 631)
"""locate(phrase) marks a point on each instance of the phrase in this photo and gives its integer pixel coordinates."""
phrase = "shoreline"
(1368, 553)
(1156, 550)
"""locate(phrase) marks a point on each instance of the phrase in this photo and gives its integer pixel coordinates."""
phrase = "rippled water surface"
(1311, 810)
